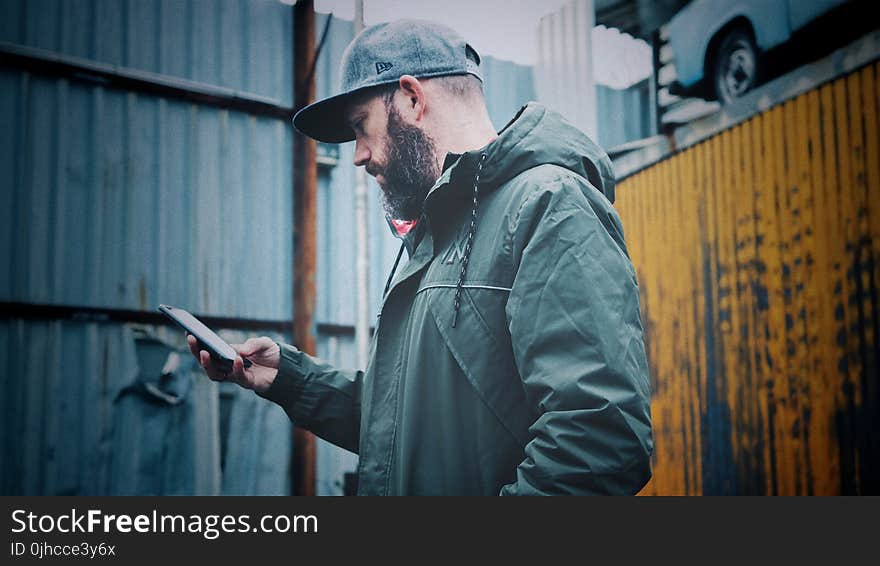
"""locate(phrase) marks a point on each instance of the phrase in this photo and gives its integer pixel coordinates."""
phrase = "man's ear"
(414, 94)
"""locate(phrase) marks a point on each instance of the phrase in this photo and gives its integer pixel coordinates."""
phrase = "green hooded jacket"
(523, 373)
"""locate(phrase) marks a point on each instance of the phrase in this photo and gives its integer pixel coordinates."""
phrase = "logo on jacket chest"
(455, 252)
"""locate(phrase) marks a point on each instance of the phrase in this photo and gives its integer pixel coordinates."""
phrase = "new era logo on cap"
(382, 66)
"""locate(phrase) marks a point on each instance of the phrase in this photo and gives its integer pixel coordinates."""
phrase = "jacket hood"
(538, 135)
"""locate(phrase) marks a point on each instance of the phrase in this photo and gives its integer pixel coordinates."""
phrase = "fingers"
(193, 345)
(217, 372)
(237, 374)
(213, 371)
(204, 359)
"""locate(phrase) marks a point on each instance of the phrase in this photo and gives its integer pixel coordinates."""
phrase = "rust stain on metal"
(758, 255)
(305, 183)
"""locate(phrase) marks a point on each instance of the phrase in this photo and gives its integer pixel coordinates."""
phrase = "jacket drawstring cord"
(393, 269)
(470, 241)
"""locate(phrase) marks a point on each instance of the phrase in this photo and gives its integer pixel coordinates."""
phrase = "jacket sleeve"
(573, 316)
(318, 397)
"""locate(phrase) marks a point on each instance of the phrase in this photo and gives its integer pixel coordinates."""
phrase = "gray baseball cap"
(380, 55)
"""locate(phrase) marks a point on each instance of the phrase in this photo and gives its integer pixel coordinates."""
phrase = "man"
(508, 357)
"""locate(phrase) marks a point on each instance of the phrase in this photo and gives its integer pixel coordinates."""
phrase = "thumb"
(252, 346)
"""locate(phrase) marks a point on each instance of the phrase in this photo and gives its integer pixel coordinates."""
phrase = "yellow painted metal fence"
(758, 256)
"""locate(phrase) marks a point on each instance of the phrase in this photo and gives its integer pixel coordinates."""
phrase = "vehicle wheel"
(736, 66)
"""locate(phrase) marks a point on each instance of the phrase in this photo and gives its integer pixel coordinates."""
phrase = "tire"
(736, 66)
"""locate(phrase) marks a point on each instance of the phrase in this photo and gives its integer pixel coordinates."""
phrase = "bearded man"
(509, 357)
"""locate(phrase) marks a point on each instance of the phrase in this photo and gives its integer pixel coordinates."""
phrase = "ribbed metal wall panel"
(564, 72)
(624, 115)
(758, 256)
(245, 45)
(72, 424)
(58, 419)
(125, 200)
(334, 462)
(508, 87)
(340, 34)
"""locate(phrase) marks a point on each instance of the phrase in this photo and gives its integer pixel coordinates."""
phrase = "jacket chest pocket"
(480, 344)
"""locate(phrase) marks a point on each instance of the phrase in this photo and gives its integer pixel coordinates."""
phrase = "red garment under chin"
(403, 227)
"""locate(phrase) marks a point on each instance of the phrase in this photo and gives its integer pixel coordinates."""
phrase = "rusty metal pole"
(305, 188)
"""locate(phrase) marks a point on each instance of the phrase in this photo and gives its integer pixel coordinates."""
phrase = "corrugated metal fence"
(123, 199)
(118, 198)
(758, 256)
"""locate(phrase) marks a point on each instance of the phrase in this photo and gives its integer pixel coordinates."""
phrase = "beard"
(410, 169)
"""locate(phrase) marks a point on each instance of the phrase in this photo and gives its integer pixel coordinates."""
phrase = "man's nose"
(361, 154)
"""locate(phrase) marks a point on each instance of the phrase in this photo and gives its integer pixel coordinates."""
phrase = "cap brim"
(325, 120)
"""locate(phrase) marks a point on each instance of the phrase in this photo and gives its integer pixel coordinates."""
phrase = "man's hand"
(263, 352)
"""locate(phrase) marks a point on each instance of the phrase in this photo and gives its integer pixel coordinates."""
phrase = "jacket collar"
(455, 184)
